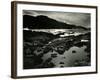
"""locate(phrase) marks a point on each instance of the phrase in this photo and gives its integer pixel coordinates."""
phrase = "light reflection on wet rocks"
(42, 51)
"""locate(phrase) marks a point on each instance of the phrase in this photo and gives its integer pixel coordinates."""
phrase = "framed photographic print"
(53, 39)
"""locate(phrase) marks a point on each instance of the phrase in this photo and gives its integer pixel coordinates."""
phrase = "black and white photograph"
(53, 39)
(56, 39)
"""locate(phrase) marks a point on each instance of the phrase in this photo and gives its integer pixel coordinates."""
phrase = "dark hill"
(44, 22)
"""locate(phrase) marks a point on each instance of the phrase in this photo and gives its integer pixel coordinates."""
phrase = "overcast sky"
(80, 19)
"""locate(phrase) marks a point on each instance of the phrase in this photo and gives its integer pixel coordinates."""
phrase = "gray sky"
(80, 19)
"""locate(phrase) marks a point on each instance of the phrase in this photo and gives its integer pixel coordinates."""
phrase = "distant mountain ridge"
(44, 22)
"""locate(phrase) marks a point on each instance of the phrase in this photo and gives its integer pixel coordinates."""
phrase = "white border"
(31, 72)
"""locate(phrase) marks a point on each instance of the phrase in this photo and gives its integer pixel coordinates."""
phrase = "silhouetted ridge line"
(44, 22)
